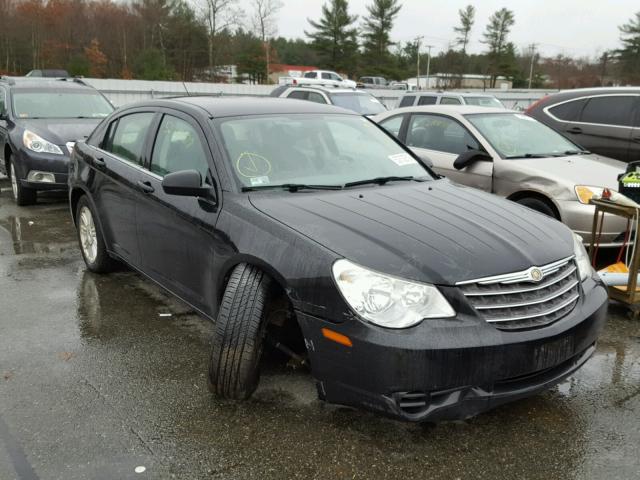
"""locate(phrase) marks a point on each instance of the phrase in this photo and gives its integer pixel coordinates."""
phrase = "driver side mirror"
(187, 183)
(470, 156)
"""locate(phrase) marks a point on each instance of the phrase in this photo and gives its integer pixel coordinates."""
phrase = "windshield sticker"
(402, 159)
(257, 181)
(252, 165)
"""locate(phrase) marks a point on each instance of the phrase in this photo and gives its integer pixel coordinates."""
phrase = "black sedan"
(413, 296)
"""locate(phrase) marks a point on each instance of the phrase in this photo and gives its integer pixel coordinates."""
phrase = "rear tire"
(92, 246)
(239, 334)
(23, 196)
(538, 205)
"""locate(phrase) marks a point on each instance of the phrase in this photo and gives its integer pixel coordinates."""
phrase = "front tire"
(239, 334)
(23, 196)
(92, 246)
(539, 206)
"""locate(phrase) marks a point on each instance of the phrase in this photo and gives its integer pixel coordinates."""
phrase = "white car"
(514, 156)
(322, 77)
(361, 102)
(423, 98)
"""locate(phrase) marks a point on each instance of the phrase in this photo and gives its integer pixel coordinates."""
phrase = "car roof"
(217, 107)
(44, 83)
(453, 109)
(461, 94)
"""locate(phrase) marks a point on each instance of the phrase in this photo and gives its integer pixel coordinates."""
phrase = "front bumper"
(579, 218)
(58, 165)
(450, 369)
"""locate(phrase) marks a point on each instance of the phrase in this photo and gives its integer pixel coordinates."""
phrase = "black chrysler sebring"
(307, 228)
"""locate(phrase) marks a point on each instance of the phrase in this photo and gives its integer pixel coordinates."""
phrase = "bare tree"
(264, 18)
(264, 23)
(219, 16)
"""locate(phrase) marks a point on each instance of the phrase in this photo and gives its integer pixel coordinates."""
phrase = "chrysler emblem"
(536, 274)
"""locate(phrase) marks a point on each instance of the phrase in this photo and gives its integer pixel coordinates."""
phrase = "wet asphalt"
(100, 375)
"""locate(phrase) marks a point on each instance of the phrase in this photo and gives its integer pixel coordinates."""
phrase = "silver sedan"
(514, 156)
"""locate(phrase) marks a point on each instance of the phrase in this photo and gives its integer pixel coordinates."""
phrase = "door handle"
(145, 187)
(574, 130)
(99, 162)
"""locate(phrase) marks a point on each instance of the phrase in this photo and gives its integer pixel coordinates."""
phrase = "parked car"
(49, 73)
(402, 86)
(513, 156)
(602, 120)
(40, 120)
(321, 77)
(414, 297)
(360, 102)
(417, 98)
(372, 82)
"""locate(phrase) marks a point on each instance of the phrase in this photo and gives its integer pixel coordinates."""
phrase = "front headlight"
(38, 144)
(585, 193)
(582, 258)
(388, 301)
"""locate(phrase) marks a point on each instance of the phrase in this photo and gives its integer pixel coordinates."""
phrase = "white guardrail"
(122, 92)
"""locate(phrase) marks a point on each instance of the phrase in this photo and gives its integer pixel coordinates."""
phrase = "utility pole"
(418, 40)
(533, 58)
(428, 63)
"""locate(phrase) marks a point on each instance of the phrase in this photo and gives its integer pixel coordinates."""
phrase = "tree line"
(192, 40)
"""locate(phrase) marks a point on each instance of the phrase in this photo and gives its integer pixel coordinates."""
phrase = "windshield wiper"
(382, 181)
(531, 155)
(292, 187)
(577, 152)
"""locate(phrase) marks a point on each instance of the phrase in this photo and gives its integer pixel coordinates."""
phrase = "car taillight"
(535, 104)
(295, 82)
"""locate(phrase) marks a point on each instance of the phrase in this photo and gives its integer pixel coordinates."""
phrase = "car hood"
(61, 130)
(434, 232)
(590, 170)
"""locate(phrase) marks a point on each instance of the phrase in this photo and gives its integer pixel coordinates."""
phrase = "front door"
(441, 139)
(177, 233)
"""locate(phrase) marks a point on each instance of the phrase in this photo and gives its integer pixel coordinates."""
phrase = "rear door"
(118, 166)
(441, 139)
(605, 125)
(176, 233)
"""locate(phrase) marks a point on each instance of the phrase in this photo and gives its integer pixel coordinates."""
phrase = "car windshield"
(313, 149)
(363, 103)
(484, 102)
(60, 104)
(518, 136)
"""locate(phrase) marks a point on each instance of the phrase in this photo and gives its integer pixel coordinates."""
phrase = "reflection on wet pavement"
(94, 382)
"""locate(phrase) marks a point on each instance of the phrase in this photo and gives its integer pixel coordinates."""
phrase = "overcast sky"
(572, 27)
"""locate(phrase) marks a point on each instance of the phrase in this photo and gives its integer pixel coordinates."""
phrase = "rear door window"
(127, 136)
(427, 100)
(568, 111)
(298, 94)
(407, 101)
(310, 75)
(326, 76)
(316, 97)
(450, 101)
(609, 110)
(439, 133)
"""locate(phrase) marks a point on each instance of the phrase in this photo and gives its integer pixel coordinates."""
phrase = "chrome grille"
(514, 301)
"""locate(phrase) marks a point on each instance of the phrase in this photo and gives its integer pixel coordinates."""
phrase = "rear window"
(483, 102)
(609, 110)
(568, 111)
(362, 103)
(427, 100)
(407, 101)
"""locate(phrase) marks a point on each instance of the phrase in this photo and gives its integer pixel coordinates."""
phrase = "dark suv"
(40, 121)
(603, 120)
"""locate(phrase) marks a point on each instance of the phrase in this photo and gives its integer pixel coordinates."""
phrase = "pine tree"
(335, 37)
(463, 32)
(629, 54)
(377, 35)
(495, 36)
